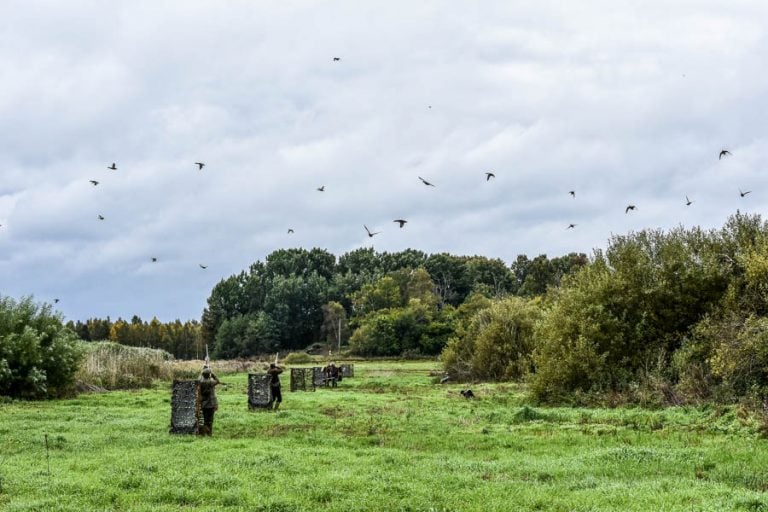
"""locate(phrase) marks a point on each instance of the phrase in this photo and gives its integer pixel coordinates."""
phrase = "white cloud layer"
(623, 102)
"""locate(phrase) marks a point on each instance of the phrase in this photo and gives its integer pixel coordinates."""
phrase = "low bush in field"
(114, 366)
(298, 358)
(38, 355)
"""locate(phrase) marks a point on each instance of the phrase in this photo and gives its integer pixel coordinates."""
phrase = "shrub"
(298, 358)
(38, 354)
(497, 344)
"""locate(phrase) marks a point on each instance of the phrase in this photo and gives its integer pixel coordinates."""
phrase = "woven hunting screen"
(185, 407)
(318, 377)
(259, 393)
(302, 379)
(347, 370)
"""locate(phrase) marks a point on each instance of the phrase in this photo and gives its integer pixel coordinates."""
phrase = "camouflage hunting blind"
(318, 376)
(259, 392)
(302, 379)
(186, 416)
(347, 370)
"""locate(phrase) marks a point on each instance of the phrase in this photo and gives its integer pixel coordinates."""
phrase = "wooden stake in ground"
(47, 455)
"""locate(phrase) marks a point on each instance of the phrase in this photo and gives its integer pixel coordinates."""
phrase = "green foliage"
(298, 358)
(496, 344)
(38, 354)
(741, 361)
(682, 305)
(246, 336)
(293, 285)
(335, 327)
(417, 328)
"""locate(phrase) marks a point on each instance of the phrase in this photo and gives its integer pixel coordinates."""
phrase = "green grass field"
(389, 439)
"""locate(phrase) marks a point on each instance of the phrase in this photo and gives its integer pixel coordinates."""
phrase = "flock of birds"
(489, 175)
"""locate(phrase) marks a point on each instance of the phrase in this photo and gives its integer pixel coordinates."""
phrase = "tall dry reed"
(113, 366)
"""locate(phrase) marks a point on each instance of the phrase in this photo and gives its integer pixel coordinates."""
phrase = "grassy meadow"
(388, 439)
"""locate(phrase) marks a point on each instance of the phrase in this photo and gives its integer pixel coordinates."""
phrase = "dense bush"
(686, 307)
(38, 355)
(497, 343)
(417, 329)
(298, 358)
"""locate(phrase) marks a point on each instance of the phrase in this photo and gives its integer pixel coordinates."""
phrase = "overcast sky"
(623, 102)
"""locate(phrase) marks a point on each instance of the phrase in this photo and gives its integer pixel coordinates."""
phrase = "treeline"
(181, 339)
(379, 303)
(658, 317)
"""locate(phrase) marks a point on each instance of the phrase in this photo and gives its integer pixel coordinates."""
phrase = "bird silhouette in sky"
(489, 175)
(113, 166)
(571, 226)
(630, 207)
(742, 194)
(203, 266)
(56, 300)
(199, 165)
(336, 59)
(426, 182)
(154, 260)
(290, 231)
(573, 193)
(101, 217)
(723, 153)
(688, 202)
(402, 222)
(94, 182)
(370, 234)
(321, 189)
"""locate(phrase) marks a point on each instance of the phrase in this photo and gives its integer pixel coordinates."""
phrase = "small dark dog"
(467, 393)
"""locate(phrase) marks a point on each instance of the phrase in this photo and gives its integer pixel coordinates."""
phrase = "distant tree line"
(380, 304)
(658, 317)
(181, 339)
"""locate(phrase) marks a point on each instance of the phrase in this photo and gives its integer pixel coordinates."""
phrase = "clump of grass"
(298, 358)
(114, 366)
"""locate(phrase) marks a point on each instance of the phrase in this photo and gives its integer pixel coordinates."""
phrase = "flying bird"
(321, 189)
(370, 234)
(630, 207)
(723, 153)
(688, 202)
(426, 182)
(154, 260)
(744, 193)
(336, 59)
(199, 165)
(573, 193)
(113, 166)
(290, 231)
(56, 300)
(489, 175)
(203, 266)
(571, 226)
(94, 182)
(101, 217)
(402, 222)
